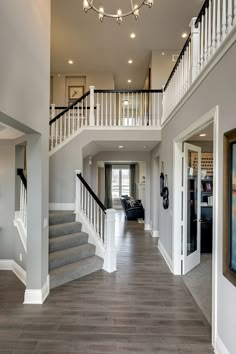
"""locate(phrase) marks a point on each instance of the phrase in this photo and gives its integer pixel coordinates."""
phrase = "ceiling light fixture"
(130, 61)
(184, 35)
(120, 146)
(202, 135)
(129, 81)
(132, 35)
(134, 10)
(70, 62)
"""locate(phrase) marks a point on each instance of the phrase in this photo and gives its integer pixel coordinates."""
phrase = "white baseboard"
(155, 233)
(10, 264)
(147, 227)
(37, 296)
(165, 255)
(220, 347)
(62, 206)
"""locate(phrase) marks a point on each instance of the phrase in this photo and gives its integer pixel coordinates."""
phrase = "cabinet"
(206, 214)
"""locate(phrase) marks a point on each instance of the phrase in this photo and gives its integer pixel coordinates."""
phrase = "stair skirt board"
(71, 256)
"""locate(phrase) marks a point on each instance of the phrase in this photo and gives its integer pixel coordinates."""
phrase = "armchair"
(133, 208)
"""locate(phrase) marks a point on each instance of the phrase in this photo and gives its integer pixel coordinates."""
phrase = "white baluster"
(110, 110)
(230, 16)
(210, 29)
(115, 97)
(214, 40)
(106, 123)
(110, 247)
(218, 23)
(60, 122)
(98, 110)
(206, 36)
(234, 22)
(91, 113)
(202, 45)
(78, 195)
(224, 19)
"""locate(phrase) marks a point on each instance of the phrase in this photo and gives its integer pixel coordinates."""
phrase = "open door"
(191, 207)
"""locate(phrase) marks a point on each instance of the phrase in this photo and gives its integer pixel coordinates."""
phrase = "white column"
(91, 113)
(77, 192)
(53, 111)
(110, 246)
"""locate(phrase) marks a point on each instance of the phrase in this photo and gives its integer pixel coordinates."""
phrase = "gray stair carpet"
(70, 254)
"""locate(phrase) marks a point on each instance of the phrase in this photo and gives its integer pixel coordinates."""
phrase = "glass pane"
(115, 183)
(125, 181)
(233, 215)
(192, 194)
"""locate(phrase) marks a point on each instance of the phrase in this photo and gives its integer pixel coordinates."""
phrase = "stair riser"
(64, 230)
(61, 219)
(59, 246)
(67, 277)
(83, 252)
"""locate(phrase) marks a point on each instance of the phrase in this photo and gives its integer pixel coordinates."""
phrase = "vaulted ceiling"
(95, 46)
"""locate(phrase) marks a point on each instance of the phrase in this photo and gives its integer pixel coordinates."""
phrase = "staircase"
(70, 255)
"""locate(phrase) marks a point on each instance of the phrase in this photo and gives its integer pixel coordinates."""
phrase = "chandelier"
(134, 10)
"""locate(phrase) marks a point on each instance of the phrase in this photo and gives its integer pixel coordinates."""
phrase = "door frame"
(210, 117)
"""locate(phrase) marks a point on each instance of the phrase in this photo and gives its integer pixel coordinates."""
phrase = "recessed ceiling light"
(144, 147)
(130, 61)
(163, 53)
(125, 102)
(129, 81)
(202, 135)
(58, 75)
(132, 35)
(184, 35)
(70, 62)
(120, 146)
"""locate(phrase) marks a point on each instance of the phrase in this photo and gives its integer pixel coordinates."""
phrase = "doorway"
(181, 243)
(120, 184)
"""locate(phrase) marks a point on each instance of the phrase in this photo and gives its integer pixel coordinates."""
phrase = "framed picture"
(75, 92)
(229, 256)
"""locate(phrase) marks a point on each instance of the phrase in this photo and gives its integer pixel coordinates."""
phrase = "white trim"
(211, 117)
(147, 227)
(10, 264)
(37, 296)
(155, 233)
(220, 348)
(221, 51)
(165, 255)
(21, 229)
(62, 206)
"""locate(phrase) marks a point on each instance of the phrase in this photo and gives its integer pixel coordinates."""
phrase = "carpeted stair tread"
(75, 270)
(64, 229)
(63, 242)
(70, 255)
(61, 217)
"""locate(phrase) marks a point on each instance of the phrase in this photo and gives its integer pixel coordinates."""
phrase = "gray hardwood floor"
(141, 308)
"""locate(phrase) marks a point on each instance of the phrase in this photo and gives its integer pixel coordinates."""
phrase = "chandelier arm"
(90, 2)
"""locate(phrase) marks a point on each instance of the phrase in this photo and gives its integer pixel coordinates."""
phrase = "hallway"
(141, 308)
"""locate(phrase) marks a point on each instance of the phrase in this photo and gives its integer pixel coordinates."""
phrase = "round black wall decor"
(162, 179)
(165, 194)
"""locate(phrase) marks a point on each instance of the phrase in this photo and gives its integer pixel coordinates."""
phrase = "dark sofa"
(133, 208)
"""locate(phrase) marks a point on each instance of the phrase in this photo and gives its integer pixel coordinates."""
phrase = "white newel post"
(77, 191)
(91, 113)
(195, 47)
(110, 247)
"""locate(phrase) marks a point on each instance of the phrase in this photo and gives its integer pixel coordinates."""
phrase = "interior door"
(191, 207)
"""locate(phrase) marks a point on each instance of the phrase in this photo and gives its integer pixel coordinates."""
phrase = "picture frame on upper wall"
(229, 204)
(75, 92)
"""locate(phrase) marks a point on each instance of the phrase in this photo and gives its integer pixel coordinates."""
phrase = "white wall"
(24, 100)
(61, 81)
(217, 89)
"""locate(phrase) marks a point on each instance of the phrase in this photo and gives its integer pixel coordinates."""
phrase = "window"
(120, 184)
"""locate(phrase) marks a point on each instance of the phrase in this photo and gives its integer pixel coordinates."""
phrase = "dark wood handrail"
(178, 61)
(65, 107)
(128, 91)
(91, 192)
(202, 12)
(69, 107)
(20, 173)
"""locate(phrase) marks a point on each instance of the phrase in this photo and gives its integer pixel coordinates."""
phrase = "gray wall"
(10, 243)
(217, 89)
(24, 100)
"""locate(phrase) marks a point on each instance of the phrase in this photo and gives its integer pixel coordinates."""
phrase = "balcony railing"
(209, 30)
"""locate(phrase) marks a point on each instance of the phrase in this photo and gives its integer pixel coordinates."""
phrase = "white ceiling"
(207, 130)
(106, 46)
(7, 132)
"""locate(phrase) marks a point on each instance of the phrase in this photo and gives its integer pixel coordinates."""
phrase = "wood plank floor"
(141, 308)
